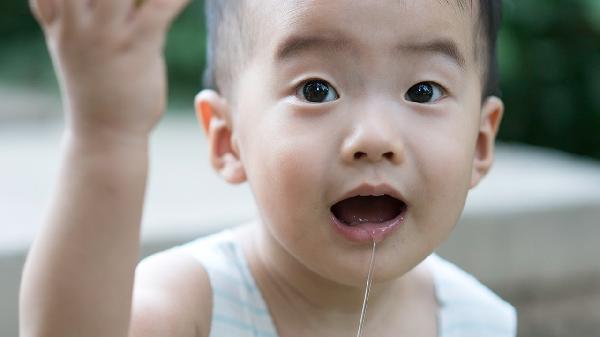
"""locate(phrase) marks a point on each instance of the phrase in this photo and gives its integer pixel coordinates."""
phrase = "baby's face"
(349, 98)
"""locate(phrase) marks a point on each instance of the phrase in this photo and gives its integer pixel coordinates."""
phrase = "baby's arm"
(79, 274)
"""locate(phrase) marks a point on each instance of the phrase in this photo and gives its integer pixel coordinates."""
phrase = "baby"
(353, 122)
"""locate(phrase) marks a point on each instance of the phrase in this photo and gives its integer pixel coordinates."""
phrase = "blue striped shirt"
(467, 308)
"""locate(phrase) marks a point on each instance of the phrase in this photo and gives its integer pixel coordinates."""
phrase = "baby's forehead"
(444, 26)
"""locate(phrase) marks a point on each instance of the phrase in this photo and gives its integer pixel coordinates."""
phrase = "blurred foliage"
(550, 66)
(549, 58)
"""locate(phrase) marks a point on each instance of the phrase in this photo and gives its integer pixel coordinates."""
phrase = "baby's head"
(351, 119)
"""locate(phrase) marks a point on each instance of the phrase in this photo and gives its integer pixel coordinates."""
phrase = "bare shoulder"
(172, 297)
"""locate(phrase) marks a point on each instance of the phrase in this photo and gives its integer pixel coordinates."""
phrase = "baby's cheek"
(286, 178)
(298, 167)
(447, 172)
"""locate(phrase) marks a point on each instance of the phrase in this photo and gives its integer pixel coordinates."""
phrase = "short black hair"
(230, 37)
(490, 17)
(228, 41)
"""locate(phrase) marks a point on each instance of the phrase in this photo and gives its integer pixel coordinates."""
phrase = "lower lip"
(368, 232)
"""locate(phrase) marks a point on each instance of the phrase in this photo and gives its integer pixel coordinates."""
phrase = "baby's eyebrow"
(298, 44)
(443, 46)
(295, 45)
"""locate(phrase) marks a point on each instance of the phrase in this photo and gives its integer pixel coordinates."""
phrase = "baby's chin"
(390, 265)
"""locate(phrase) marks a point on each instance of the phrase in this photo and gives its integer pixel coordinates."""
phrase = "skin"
(298, 158)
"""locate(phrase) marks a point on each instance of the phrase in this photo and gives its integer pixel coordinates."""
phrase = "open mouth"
(371, 210)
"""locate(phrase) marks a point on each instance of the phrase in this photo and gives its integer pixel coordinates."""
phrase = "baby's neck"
(300, 300)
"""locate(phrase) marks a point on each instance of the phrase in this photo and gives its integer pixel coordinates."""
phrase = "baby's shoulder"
(467, 307)
(172, 295)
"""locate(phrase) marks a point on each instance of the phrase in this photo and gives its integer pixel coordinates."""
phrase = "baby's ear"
(212, 111)
(491, 116)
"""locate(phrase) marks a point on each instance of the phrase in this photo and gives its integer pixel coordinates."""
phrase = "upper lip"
(373, 190)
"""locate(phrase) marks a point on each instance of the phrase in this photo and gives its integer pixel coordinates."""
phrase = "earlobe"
(491, 116)
(213, 114)
(232, 169)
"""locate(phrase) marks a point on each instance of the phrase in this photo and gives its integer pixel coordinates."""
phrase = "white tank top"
(467, 308)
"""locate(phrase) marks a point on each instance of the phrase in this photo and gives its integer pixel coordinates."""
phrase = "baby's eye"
(424, 92)
(317, 91)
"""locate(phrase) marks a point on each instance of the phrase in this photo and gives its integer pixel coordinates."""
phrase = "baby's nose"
(370, 144)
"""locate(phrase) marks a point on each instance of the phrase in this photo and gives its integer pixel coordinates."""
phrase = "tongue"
(370, 209)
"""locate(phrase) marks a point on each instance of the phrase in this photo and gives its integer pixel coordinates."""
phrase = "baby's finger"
(112, 10)
(43, 10)
(154, 16)
(74, 11)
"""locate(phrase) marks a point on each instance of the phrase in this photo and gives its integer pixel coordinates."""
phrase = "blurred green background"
(549, 57)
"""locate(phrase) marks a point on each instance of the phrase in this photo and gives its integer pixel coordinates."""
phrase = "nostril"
(389, 155)
(358, 155)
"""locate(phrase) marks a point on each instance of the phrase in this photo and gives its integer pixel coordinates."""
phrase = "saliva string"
(363, 311)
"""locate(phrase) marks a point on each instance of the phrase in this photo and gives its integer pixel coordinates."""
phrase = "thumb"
(43, 10)
(157, 15)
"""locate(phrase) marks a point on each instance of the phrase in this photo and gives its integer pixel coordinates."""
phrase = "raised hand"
(79, 274)
(108, 57)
